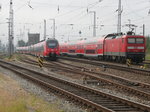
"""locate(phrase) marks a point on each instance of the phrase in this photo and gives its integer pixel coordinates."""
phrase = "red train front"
(136, 48)
(47, 48)
(51, 49)
(122, 47)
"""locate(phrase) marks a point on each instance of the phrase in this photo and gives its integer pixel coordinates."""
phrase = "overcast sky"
(71, 17)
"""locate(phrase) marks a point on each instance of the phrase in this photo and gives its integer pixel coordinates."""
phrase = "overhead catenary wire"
(112, 20)
(77, 13)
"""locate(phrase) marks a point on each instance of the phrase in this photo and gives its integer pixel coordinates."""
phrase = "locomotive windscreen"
(135, 40)
(52, 43)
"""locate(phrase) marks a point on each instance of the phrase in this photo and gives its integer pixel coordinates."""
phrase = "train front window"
(52, 44)
(135, 40)
(131, 40)
(139, 40)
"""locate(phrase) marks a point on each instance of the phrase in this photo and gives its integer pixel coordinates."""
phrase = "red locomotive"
(47, 48)
(116, 47)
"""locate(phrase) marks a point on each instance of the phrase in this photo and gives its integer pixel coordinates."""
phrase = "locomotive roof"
(101, 38)
(51, 39)
(87, 40)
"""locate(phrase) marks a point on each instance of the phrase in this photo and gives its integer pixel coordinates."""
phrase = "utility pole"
(143, 29)
(94, 23)
(119, 17)
(53, 27)
(0, 7)
(11, 30)
(44, 29)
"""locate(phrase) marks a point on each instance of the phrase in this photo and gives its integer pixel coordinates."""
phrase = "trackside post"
(40, 62)
(128, 62)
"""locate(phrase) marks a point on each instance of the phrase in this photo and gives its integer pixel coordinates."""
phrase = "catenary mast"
(119, 17)
(11, 30)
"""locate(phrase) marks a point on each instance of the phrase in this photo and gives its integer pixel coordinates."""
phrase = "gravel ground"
(68, 76)
(103, 88)
(30, 87)
(121, 94)
(130, 76)
(110, 89)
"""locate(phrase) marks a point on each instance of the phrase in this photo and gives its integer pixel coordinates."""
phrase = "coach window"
(131, 40)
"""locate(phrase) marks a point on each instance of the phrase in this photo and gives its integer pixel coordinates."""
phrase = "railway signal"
(40, 62)
(128, 62)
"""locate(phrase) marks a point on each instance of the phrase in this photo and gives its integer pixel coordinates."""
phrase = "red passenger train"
(116, 47)
(47, 48)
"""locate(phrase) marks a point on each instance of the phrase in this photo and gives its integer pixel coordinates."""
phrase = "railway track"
(147, 62)
(135, 88)
(112, 66)
(87, 97)
(2, 55)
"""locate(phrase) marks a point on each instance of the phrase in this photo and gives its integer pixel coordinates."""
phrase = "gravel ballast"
(35, 89)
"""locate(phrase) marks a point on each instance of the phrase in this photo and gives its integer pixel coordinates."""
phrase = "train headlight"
(130, 47)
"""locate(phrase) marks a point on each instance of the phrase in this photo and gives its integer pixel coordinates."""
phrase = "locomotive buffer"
(40, 62)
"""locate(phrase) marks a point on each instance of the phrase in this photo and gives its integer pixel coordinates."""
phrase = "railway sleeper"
(92, 81)
(101, 102)
(123, 109)
(113, 104)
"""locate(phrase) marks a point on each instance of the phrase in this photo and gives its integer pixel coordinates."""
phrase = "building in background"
(33, 38)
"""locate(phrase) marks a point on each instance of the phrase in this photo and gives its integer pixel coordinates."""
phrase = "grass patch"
(13, 57)
(25, 104)
(15, 99)
(147, 56)
(0, 77)
(41, 106)
(13, 106)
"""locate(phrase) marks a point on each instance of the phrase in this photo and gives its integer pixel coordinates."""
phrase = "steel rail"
(114, 103)
(136, 88)
(92, 98)
(112, 66)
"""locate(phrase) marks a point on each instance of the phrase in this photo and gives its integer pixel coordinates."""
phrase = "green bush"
(148, 44)
(148, 48)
